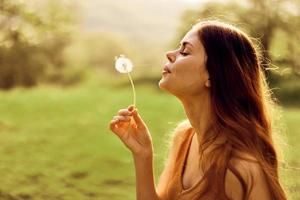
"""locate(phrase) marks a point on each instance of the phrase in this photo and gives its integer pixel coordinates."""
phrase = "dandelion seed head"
(123, 64)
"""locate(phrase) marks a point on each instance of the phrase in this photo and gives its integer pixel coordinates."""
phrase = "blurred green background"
(59, 89)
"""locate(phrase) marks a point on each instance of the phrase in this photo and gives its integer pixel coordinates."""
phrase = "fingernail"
(130, 109)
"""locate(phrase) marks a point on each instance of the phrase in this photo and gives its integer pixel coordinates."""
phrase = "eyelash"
(183, 53)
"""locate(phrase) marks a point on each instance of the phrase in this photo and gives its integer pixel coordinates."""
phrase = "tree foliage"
(33, 35)
(275, 23)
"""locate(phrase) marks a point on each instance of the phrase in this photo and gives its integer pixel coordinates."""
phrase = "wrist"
(143, 155)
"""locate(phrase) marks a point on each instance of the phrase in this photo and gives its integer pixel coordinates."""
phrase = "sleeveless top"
(175, 190)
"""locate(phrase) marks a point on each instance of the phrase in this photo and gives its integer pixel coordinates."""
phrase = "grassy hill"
(56, 145)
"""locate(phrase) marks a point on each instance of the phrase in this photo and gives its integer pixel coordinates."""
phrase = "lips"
(166, 69)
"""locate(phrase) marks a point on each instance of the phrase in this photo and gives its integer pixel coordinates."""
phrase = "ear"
(207, 83)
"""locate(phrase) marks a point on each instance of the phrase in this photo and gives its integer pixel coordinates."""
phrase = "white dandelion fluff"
(123, 64)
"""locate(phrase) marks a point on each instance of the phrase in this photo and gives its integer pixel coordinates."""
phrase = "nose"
(171, 56)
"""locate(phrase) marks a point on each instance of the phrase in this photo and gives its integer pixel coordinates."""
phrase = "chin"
(166, 85)
(162, 84)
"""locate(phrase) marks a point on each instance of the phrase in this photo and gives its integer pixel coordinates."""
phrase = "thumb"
(138, 120)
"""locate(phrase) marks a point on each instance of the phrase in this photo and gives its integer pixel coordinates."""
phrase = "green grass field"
(55, 142)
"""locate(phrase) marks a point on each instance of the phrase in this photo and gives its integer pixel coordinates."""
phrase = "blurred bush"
(33, 36)
(286, 87)
(96, 50)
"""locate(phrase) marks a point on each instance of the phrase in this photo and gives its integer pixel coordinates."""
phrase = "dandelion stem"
(133, 89)
(134, 99)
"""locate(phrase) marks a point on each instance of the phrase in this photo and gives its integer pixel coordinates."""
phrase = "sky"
(193, 1)
(201, 1)
(140, 20)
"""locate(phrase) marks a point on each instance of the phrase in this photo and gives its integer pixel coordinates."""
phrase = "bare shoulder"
(246, 178)
(246, 165)
(180, 130)
(177, 137)
(179, 134)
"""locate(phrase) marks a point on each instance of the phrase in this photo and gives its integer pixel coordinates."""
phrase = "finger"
(124, 112)
(112, 125)
(115, 126)
(122, 118)
(131, 107)
(138, 120)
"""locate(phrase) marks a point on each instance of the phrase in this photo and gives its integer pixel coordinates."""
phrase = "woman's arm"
(131, 129)
(254, 177)
(145, 184)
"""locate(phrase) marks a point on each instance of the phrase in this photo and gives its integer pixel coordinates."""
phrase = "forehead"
(192, 37)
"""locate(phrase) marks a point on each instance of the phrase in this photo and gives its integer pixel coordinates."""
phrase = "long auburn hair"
(240, 99)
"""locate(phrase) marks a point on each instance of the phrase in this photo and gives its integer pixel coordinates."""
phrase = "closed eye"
(182, 50)
(183, 53)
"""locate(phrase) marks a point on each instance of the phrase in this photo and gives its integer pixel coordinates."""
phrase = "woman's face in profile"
(185, 72)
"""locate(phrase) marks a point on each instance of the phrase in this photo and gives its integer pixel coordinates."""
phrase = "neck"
(199, 112)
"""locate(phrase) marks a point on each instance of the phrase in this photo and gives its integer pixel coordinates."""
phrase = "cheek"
(183, 66)
(188, 69)
(189, 78)
(192, 81)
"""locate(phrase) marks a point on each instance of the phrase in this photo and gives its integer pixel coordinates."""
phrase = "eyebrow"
(186, 43)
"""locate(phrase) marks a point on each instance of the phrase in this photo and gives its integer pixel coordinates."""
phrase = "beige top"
(171, 187)
(175, 189)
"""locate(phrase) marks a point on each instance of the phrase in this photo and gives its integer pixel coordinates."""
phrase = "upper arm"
(233, 187)
(254, 177)
(167, 171)
(260, 188)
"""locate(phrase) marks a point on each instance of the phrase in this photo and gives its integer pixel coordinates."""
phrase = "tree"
(32, 38)
(276, 24)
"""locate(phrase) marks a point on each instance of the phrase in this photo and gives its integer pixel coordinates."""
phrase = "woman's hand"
(131, 129)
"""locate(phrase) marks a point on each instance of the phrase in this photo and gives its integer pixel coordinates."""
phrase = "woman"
(225, 149)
